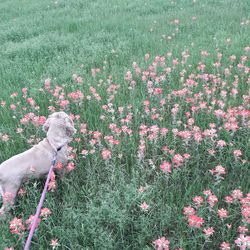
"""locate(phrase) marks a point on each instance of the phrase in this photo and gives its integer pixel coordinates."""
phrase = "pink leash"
(40, 204)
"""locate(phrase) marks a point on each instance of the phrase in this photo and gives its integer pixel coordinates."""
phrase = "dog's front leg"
(9, 193)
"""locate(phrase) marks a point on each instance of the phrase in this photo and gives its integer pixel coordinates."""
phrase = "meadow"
(159, 94)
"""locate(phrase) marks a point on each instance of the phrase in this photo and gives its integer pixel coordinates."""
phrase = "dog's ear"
(46, 125)
(69, 125)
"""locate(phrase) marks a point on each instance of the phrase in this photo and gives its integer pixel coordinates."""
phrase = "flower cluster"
(17, 227)
(233, 200)
(167, 119)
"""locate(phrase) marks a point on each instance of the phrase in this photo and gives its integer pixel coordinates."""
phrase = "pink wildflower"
(8, 198)
(208, 231)
(21, 192)
(4, 137)
(52, 185)
(186, 156)
(228, 199)
(16, 226)
(45, 212)
(218, 171)
(144, 206)
(243, 242)
(237, 153)
(178, 160)
(13, 107)
(141, 189)
(58, 166)
(166, 167)
(64, 103)
(221, 143)
(195, 221)
(54, 243)
(225, 246)
(212, 200)
(198, 200)
(242, 229)
(246, 213)
(70, 167)
(188, 211)
(162, 244)
(207, 192)
(237, 194)
(223, 213)
(29, 222)
(106, 154)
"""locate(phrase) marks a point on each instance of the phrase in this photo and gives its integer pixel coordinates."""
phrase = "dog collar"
(54, 148)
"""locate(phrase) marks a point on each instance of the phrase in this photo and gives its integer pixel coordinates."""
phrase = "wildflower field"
(159, 94)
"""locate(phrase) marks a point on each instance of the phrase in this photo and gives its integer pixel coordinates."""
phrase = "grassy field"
(159, 93)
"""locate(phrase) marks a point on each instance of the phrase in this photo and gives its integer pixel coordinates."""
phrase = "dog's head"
(60, 121)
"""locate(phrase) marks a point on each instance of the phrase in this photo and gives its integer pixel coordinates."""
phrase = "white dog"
(36, 162)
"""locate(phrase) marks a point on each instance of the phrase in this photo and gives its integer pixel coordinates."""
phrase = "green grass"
(97, 206)
(47, 39)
